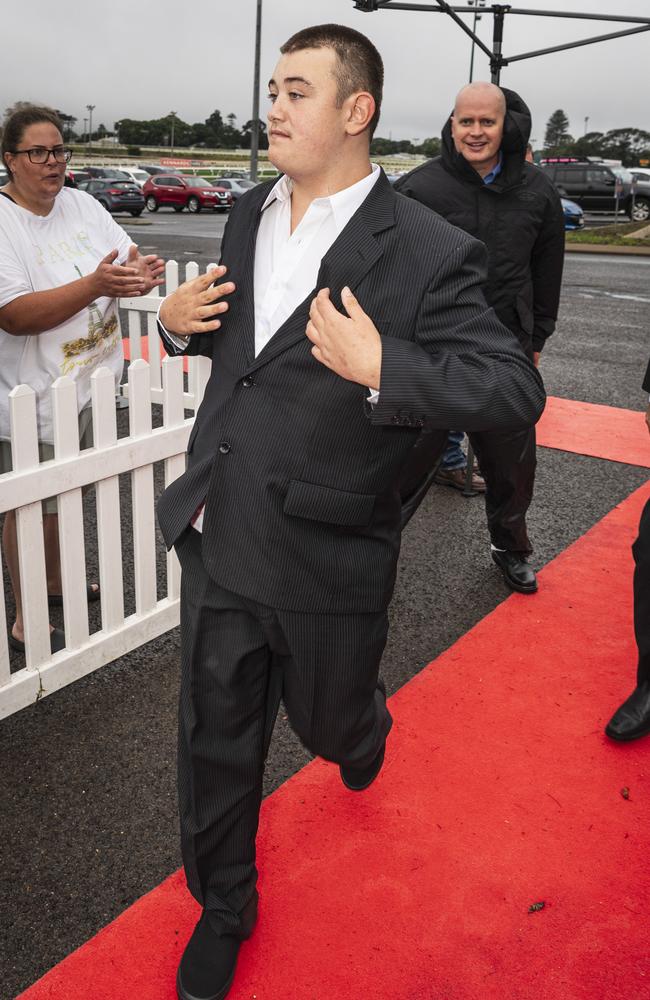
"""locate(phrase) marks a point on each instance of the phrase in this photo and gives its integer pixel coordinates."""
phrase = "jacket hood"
(516, 132)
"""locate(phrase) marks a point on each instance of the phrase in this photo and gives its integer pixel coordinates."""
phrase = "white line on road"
(592, 293)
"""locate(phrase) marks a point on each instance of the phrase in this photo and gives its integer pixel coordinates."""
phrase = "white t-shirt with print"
(41, 253)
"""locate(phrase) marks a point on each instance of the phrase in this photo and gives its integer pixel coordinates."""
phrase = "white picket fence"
(31, 481)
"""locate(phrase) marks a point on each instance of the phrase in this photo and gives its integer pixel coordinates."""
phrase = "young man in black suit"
(334, 342)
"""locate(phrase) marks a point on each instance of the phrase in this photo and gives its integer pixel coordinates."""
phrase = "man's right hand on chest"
(195, 306)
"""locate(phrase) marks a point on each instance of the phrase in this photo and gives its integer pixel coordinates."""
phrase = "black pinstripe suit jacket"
(301, 477)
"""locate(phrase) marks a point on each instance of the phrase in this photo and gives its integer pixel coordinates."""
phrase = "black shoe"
(359, 778)
(633, 717)
(207, 968)
(516, 571)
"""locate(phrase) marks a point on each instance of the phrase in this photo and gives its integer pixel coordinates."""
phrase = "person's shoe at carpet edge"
(517, 572)
(632, 719)
(207, 967)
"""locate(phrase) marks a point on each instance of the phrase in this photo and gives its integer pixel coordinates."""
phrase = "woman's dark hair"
(14, 127)
(359, 65)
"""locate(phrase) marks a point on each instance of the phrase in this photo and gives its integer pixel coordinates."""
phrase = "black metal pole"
(471, 58)
(496, 62)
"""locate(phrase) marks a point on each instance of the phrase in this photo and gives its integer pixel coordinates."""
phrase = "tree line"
(629, 145)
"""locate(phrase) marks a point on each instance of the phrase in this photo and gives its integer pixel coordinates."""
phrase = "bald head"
(477, 125)
(484, 93)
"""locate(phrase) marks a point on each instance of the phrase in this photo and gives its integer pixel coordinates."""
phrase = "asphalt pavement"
(87, 788)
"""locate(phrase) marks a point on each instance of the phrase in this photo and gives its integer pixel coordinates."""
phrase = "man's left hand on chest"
(350, 344)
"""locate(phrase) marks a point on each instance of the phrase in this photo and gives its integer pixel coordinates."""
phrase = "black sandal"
(57, 641)
(92, 594)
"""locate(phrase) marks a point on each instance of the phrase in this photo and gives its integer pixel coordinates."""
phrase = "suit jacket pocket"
(322, 503)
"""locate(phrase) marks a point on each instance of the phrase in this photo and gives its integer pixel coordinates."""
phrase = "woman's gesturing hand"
(137, 276)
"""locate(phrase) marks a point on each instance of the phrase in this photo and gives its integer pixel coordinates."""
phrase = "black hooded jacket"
(518, 217)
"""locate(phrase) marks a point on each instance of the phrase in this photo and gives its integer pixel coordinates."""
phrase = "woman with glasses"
(63, 263)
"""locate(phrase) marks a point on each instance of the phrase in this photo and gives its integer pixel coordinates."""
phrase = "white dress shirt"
(287, 263)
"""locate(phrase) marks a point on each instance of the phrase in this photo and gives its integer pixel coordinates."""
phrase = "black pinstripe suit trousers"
(239, 658)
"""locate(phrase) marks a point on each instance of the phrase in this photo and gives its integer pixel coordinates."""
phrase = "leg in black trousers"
(641, 551)
(507, 460)
(238, 659)
(632, 719)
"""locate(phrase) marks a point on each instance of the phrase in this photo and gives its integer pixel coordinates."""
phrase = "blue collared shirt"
(496, 170)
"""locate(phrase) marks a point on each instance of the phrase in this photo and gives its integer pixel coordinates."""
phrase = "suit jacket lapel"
(247, 278)
(354, 252)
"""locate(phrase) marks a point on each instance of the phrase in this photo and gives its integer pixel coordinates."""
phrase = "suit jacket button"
(224, 447)
(248, 381)
(396, 419)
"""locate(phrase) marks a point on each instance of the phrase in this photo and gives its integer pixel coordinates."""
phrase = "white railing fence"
(65, 477)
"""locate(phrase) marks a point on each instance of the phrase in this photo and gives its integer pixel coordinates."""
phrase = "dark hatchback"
(116, 195)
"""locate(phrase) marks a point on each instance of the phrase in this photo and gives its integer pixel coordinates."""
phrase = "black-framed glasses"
(41, 154)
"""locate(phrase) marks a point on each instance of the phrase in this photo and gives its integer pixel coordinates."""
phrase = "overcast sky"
(146, 58)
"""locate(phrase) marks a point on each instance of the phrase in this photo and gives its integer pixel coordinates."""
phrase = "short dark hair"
(359, 65)
(14, 126)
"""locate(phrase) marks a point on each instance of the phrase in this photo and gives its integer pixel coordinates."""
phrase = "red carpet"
(499, 791)
(599, 431)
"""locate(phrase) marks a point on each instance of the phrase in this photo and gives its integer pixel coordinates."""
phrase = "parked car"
(641, 173)
(4, 178)
(573, 215)
(116, 195)
(641, 192)
(236, 185)
(182, 191)
(150, 169)
(592, 186)
(136, 174)
(77, 176)
(110, 173)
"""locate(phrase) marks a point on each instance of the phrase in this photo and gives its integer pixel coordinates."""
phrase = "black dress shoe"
(517, 573)
(207, 968)
(633, 717)
(359, 778)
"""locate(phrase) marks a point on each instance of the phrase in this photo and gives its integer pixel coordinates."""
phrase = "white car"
(236, 185)
(641, 173)
(137, 175)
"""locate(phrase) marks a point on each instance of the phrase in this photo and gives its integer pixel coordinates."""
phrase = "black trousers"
(508, 460)
(641, 552)
(239, 658)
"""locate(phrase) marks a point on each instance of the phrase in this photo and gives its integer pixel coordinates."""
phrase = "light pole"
(586, 123)
(255, 134)
(172, 116)
(90, 108)
(477, 17)
(85, 135)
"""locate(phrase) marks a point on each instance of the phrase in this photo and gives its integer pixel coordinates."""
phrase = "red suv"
(182, 191)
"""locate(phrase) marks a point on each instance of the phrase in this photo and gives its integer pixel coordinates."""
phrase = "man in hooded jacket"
(482, 183)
